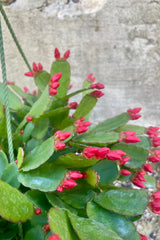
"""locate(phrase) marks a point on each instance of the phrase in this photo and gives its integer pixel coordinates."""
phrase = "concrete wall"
(117, 40)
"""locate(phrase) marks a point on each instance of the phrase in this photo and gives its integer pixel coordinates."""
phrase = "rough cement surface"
(116, 40)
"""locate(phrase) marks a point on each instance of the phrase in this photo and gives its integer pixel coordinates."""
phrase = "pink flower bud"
(54, 85)
(99, 86)
(54, 237)
(59, 145)
(52, 92)
(102, 153)
(147, 168)
(156, 196)
(143, 237)
(85, 124)
(57, 54)
(82, 130)
(133, 113)
(29, 118)
(124, 160)
(34, 67)
(153, 159)
(46, 228)
(113, 155)
(15, 161)
(93, 86)
(69, 183)
(138, 183)
(73, 105)
(21, 131)
(66, 54)
(26, 90)
(155, 205)
(29, 74)
(75, 175)
(70, 86)
(120, 153)
(37, 211)
(124, 172)
(59, 188)
(56, 77)
(40, 67)
(90, 78)
(97, 94)
(90, 152)
(63, 136)
(132, 139)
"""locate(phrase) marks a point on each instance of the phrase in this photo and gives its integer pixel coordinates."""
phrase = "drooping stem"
(5, 90)
(14, 37)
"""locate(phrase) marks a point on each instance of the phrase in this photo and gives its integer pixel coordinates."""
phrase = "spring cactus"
(66, 168)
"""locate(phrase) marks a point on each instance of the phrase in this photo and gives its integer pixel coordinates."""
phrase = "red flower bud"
(90, 152)
(90, 78)
(57, 54)
(143, 237)
(147, 168)
(138, 183)
(29, 118)
(75, 175)
(59, 188)
(59, 145)
(52, 92)
(37, 211)
(97, 94)
(113, 155)
(54, 85)
(70, 86)
(84, 175)
(73, 105)
(156, 196)
(34, 67)
(69, 183)
(124, 172)
(99, 86)
(40, 67)
(46, 228)
(66, 54)
(56, 77)
(29, 74)
(124, 160)
(133, 113)
(26, 90)
(54, 237)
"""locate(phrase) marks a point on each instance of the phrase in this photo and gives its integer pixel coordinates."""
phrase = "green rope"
(5, 89)
(14, 37)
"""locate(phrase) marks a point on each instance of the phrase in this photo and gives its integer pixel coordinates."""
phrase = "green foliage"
(73, 186)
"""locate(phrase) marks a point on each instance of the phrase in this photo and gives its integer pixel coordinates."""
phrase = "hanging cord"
(14, 37)
(5, 89)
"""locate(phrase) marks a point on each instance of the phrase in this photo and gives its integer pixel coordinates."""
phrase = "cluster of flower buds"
(90, 78)
(104, 152)
(81, 126)
(97, 94)
(54, 237)
(10, 83)
(154, 156)
(143, 237)
(129, 137)
(58, 137)
(35, 70)
(58, 55)
(153, 136)
(69, 180)
(133, 113)
(73, 105)
(54, 84)
(154, 204)
(97, 86)
(138, 179)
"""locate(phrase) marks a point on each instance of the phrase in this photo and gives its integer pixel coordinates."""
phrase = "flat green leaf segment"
(14, 206)
(72, 160)
(35, 233)
(98, 138)
(150, 182)
(138, 129)
(46, 178)
(138, 155)
(82, 110)
(3, 162)
(111, 124)
(38, 108)
(89, 229)
(42, 79)
(64, 68)
(117, 223)
(77, 198)
(122, 201)
(106, 170)
(13, 100)
(38, 155)
(60, 224)
(10, 175)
